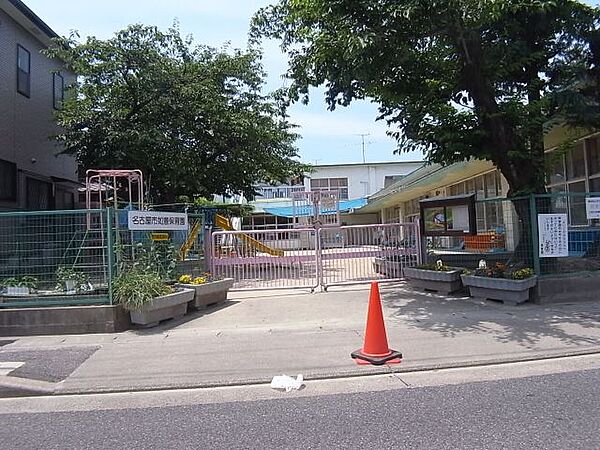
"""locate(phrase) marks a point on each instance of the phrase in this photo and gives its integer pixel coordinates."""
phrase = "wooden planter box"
(161, 308)
(209, 293)
(434, 280)
(510, 292)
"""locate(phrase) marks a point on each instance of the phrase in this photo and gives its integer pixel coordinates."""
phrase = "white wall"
(363, 179)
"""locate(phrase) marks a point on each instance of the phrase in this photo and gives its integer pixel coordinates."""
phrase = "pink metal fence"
(308, 258)
(266, 259)
(364, 253)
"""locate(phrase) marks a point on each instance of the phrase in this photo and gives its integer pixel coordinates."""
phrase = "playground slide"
(189, 242)
(223, 222)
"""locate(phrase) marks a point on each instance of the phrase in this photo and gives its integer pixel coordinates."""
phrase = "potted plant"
(19, 286)
(147, 298)
(71, 281)
(208, 290)
(435, 277)
(510, 285)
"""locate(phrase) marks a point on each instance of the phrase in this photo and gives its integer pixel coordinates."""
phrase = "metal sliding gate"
(312, 257)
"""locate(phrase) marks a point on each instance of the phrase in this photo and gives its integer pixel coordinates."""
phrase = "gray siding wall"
(26, 124)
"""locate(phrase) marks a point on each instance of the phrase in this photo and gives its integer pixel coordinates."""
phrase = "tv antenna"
(362, 138)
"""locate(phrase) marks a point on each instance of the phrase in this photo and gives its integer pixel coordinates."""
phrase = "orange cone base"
(361, 358)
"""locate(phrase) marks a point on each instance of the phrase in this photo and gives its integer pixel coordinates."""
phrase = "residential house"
(32, 174)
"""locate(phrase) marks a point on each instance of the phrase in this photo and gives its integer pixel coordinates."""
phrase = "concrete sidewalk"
(258, 335)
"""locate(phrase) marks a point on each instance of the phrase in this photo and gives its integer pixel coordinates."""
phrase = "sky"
(327, 137)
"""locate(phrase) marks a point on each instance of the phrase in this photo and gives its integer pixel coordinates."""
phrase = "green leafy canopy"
(191, 117)
(457, 79)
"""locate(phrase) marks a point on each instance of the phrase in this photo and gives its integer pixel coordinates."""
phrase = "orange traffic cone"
(375, 349)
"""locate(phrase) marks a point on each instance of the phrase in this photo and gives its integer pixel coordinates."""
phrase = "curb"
(11, 386)
(60, 389)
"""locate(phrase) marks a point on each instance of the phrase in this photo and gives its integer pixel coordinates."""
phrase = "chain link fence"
(170, 253)
(503, 235)
(54, 257)
(507, 232)
(583, 234)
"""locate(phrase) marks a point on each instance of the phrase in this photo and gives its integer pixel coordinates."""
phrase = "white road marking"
(8, 367)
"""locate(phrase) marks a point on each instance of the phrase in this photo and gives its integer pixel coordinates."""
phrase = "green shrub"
(156, 257)
(134, 288)
(24, 281)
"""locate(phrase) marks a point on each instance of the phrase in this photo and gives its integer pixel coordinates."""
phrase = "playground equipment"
(105, 180)
(190, 241)
(225, 224)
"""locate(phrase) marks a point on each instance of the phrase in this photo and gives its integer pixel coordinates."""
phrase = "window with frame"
(488, 186)
(58, 87)
(23, 71)
(39, 194)
(331, 184)
(592, 147)
(574, 171)
(8, 181)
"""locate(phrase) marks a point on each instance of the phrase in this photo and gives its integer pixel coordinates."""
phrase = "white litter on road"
(284, 382)
(8, 367)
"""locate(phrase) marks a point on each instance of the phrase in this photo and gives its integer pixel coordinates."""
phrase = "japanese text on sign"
(592, 208)
(156, 220)
(553, 235)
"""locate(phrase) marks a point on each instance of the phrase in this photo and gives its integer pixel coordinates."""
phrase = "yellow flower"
(185, 279)
(199, 280)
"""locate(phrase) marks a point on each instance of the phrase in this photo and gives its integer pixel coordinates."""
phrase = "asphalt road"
(560, 411)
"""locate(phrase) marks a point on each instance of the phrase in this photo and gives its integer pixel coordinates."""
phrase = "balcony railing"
(271, 192)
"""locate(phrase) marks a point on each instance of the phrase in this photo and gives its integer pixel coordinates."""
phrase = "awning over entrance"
(288, 211)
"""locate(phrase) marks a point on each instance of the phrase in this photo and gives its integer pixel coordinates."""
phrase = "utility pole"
(362, 138)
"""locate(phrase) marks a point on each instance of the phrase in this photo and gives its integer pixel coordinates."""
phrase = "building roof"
(29, 20)
(426, 178)
(355, 164)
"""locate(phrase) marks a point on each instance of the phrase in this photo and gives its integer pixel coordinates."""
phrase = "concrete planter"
(44, 320)
(17, 291)
(510, 292)
(434, 280)
(164, 307)
(209, 293)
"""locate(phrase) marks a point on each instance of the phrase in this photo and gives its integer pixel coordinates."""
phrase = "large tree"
(458, 79)
(193, 118)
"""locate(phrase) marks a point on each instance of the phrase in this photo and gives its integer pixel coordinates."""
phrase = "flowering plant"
(501, 270)
(206, 277)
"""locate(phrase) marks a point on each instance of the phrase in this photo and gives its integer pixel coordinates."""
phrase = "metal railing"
(269, 259)
(363, 253)
(307, 258)
(273, 192)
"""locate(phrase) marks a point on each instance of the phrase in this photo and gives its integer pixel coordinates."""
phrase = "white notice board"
(156, 220)
(592, 208)
(553, 235)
